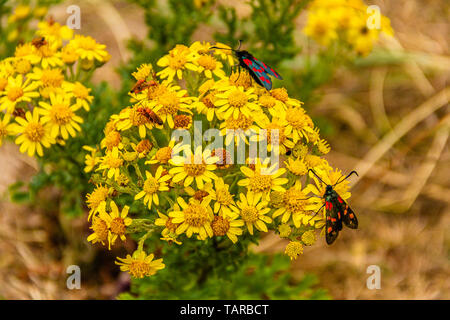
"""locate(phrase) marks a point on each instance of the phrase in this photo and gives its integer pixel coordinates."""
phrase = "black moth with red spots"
(337, 211)
(258, 70)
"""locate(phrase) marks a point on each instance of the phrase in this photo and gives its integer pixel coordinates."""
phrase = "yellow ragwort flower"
(153, 185)
(140, 265)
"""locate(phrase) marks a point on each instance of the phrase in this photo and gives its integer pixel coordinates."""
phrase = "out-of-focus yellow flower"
(5, 127)
(87, 48)
(54, 32)
(176, 62)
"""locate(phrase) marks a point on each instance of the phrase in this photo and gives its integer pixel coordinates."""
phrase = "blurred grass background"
(402, 197)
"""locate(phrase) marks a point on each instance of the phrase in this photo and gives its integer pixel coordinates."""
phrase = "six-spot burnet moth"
(258, 70)
(337, 211)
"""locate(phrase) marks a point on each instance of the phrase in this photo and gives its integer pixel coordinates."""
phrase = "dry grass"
(401, 200)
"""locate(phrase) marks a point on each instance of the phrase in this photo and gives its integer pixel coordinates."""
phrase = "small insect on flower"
(259, 71)
(337, 211)
(141, 85)
(39, 42)
(150, 115)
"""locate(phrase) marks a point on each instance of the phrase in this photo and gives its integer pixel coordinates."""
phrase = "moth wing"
(268, 69)
(259, 74)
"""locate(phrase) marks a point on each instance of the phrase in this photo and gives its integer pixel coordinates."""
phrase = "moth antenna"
(240, 42)
(318, 211)
(348, 176)
(317, 175)
(214, 47)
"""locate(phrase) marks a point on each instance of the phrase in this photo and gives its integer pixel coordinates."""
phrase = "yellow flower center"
(296, 118)
(223, 196)
(177, 62)
(220, 226)
(208, 100)
(194, 168)
(113, 162)
(294, 200)
(96, 197)
(23, 66)
(285, 230)
(154, 92)
(45, 51)
(139, 269)
(196, 215)
(80, 91)
(242, 79)
(249, 214)
(34, 132)
(207, 62)
(242, 122)
(320, 27)
(61, 114)
(169, 102)
(313, 160)
(112, 140)
(118, 226)
(237, 99)
(172, 227)
(137, 118)
(267, 101)
(260, 183)
(151, 185)
(164, 154)
(309, 237)
(100, 229)
(182, 121)
(15, 93)
(298, 167)
(293, 249)
(52, 78)
(280, 94)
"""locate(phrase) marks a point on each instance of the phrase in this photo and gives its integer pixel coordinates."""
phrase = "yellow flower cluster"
(349, 21)
(40, 92)
(22, 17)
(198, 192)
